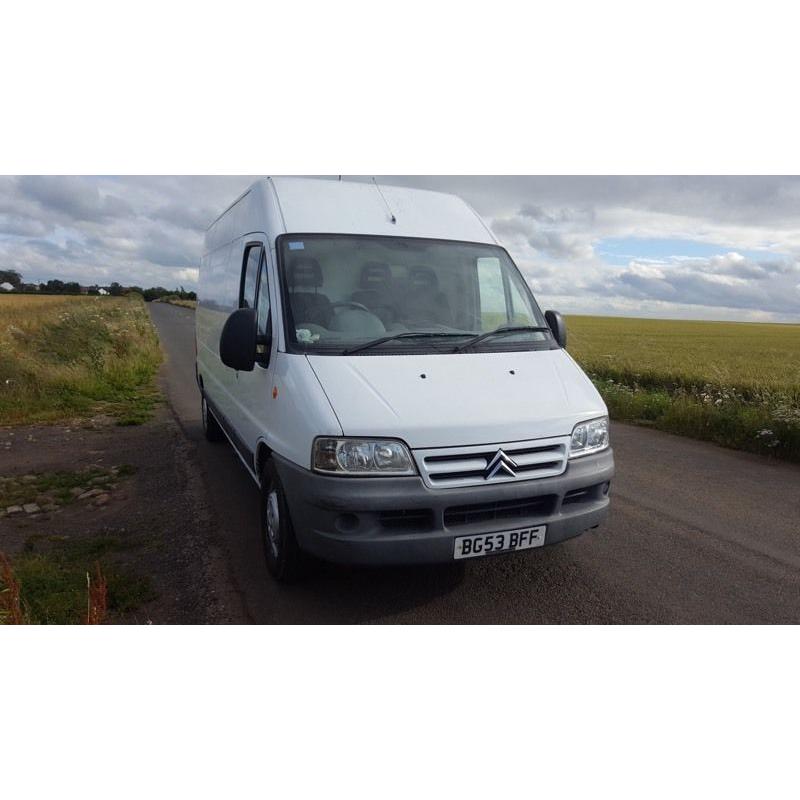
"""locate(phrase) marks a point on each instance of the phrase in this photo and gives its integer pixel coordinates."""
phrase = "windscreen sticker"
(297, 246)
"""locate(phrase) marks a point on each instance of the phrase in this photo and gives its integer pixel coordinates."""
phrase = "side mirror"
(557, 325)
(237, 344)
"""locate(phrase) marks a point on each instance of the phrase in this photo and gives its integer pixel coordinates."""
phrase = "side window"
(262, 306)
(252, 260)
(491, 293)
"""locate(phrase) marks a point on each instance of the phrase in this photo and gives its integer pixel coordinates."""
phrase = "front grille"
(500, 511)
(469, 466)
(413, 519)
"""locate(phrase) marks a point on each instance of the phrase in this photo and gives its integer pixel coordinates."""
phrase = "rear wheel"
(283, 555)
(211, 427)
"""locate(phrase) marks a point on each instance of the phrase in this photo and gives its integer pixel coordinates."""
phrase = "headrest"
(305, 272)
(423, 278)
(375, 275)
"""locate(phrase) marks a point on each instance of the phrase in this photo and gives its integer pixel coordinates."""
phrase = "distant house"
(102, 291)
(6, 287)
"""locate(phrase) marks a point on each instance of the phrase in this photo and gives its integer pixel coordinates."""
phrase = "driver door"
(255, 388)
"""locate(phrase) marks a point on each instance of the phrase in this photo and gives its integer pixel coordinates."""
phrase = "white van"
(383, 371)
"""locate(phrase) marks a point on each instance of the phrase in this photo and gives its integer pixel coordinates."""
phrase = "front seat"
(424, 303)
(375, 291)
(308, 307)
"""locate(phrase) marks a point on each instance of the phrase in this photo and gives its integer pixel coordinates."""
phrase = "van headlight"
(589, 437)
(345, 456)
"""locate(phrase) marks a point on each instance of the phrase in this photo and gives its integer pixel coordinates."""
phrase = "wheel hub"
(273, 523)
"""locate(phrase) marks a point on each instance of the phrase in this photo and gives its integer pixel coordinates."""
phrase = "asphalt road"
(697, 534)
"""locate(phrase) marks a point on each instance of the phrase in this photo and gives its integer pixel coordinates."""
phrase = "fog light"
(347, 523)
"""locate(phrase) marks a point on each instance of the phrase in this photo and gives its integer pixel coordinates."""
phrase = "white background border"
(363, 88)
(358, 87)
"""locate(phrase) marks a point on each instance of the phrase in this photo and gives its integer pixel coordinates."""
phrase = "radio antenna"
(392, 217)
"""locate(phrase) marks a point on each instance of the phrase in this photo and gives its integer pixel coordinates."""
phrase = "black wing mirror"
(557, 325)
(237, 344)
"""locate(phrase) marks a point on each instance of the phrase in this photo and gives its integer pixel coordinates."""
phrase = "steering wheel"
(350, 304)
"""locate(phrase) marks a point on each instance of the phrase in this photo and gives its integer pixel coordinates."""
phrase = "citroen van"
(384, 373)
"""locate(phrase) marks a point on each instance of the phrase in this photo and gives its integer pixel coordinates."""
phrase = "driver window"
(247, 292)
(262, 304)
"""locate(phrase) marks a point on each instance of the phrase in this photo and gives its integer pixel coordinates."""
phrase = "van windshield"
(344, 291)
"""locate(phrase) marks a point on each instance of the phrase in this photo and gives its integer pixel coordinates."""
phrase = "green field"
(737, 384)
(71, 357)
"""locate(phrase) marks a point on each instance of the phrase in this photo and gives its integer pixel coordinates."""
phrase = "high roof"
(324, 206)
(310, 205)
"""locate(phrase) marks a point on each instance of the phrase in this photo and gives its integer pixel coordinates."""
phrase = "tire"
(284, 558)
(211, 427)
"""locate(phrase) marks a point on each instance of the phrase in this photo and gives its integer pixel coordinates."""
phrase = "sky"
(674, 247)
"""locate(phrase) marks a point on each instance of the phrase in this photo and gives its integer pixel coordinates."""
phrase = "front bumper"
(375, 521)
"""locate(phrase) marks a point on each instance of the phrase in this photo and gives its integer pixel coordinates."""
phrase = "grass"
(51, 578)
(58, 487)
(736, 384)
(174, 300)
(75, 357)
(10, 604)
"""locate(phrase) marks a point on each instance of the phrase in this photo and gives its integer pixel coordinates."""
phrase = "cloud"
(149, 230)
(729, 283)
(560, 233)
(167, 248)
(136, 230)
(15, 225)
(182, 215)
(74, 198)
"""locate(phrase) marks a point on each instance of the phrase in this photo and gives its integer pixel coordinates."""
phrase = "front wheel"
(283, 555)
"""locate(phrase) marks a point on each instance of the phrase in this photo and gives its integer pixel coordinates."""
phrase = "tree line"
(14, 279)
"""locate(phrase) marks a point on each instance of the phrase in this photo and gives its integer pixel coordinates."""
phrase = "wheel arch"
(263, 454)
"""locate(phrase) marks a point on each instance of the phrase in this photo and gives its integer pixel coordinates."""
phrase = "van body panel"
(318, 206)
(301, 410)
(256, 210)
(462, 400)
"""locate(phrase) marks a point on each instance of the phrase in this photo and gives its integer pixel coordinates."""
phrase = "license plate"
(485, 544)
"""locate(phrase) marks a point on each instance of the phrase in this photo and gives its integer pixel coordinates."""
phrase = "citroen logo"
(500, 463)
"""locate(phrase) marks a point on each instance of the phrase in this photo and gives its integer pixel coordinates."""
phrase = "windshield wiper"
(505, 331)
(403, 335)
